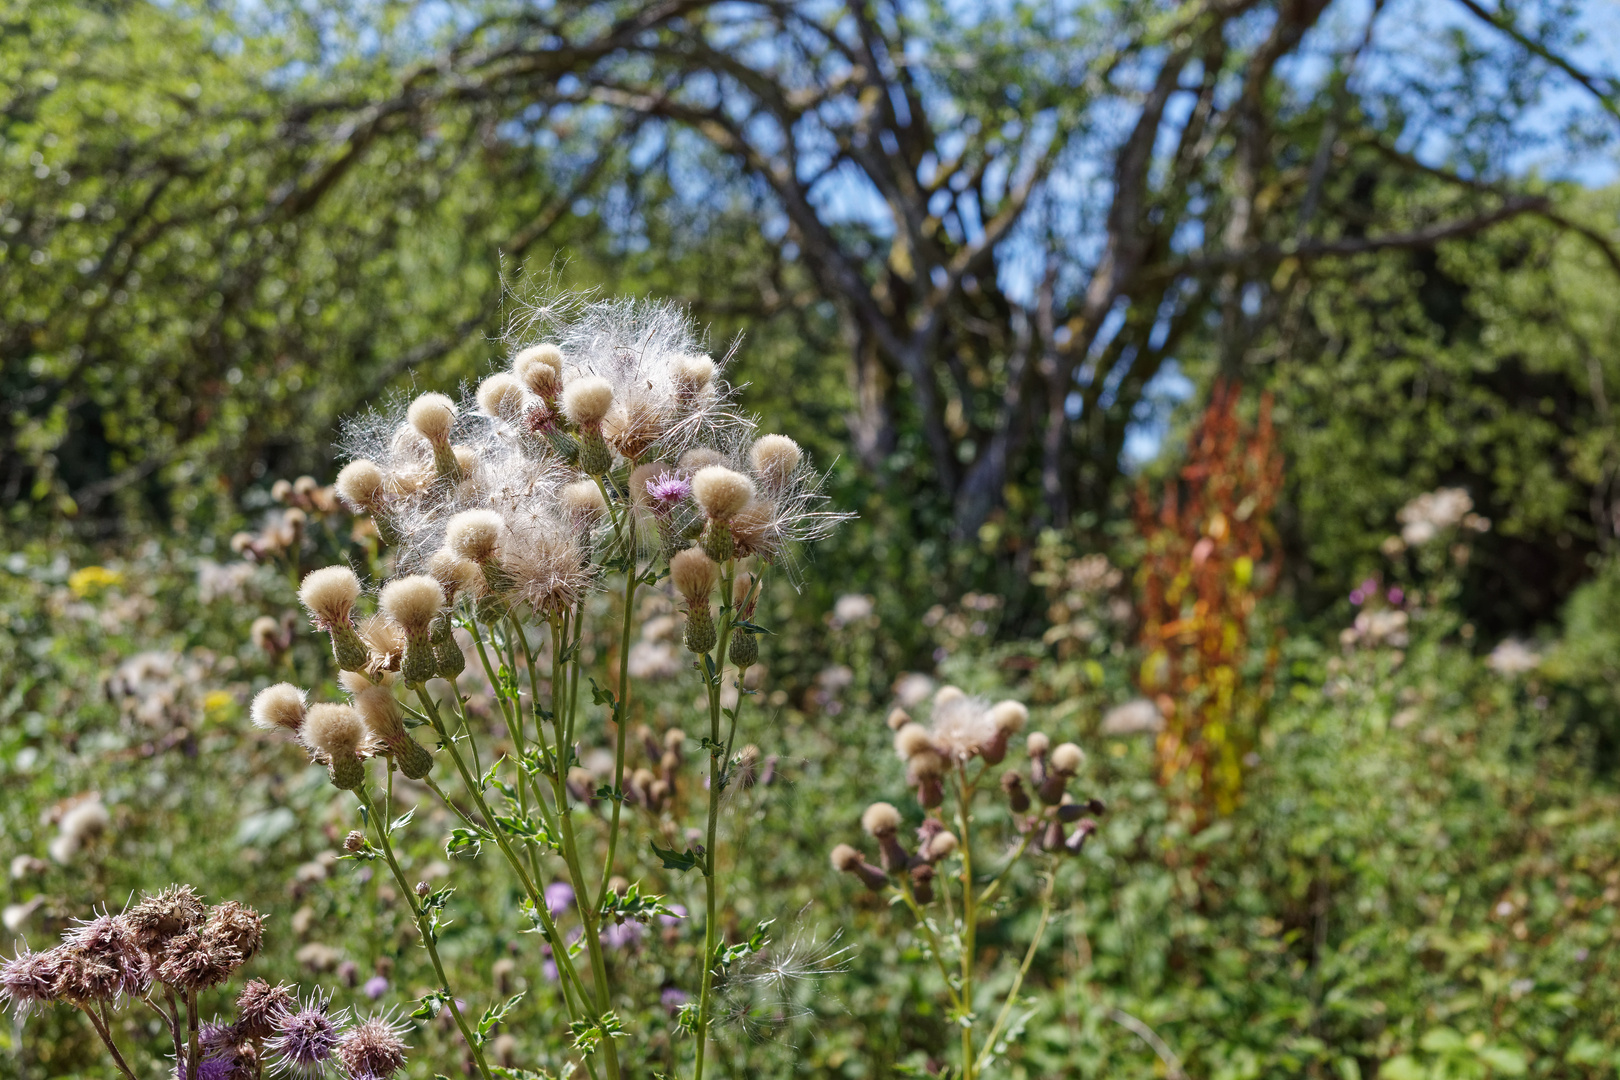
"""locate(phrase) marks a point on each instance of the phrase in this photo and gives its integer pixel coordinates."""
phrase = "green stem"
(423, 928)
(104, 1032)
(717, 767)
(969, 922)
(621, 718)
(933, 939)
(1023, 970)
(994, 887)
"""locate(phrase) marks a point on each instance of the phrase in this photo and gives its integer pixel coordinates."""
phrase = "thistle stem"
(423, 928)
(104, 1032)
(1018, 982)
(969, 922)
(621, 722)
(192, 1024)
(717, 766)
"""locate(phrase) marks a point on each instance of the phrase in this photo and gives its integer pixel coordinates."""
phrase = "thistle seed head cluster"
(961, 728)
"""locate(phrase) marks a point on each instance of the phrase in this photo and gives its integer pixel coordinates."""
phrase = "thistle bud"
(328, 595)
(846, 860)
(1007, 719)
(1062, 764)
(355, 842)
(1054, 836)
(882, 822)
(380, 712)
(539, 367)
(922, 883)
(432, 415)
(1082, 832)
(423, 889)
(336, 733)
(412, 603)
(279, 708)
(501, 396)
(1017, 798)
(744, 648)
(447, 655)
(700, 634)
(774, 459)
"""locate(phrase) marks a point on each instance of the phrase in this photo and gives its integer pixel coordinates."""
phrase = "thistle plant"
(978, 813)
(166, 952)
(608, 459)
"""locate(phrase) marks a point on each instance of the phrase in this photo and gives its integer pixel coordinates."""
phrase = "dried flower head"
(157, 920)
(474, 534)
(774, 459)
(360, 485)
(108, 962)
(412, 602)
(501, 396)
(373, 1049)
(259, 1005)
(694, 575)
(720, 491)
(539, 367)
(586, 400)
(880, 819)
(30, 979)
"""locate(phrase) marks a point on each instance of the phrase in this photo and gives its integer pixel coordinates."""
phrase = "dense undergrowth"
(1421, 881)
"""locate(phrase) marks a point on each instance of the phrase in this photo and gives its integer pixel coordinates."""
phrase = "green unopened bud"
(446, 653)
(595, 458)
(564, 446)
(414, 759)
(348, 772)
(348, 650)
(744, 647)
(420, 663)
(700, 635)
(717, 542)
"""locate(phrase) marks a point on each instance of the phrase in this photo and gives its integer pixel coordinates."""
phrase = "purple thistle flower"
(667, 489)
(1356, 598)
(1396, 595)
(672, 998)
(305, 1038)
(622, 936)
(559, 894)
(216, 1068)
(375, 987)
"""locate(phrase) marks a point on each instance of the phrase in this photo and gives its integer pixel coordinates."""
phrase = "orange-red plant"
(1211, 554)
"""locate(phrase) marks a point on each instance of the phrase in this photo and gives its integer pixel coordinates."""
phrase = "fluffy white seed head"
(844, 858)
(466, 459)
(720, 491)
(278, 708)
(501, 396)
(1067, 759)
(898, 718)
(539, 367)
(694, 574)
(379, 711)
(412, 601)
(334, 730)
(911, 740)
(1037, 744)
(700, 457)
(947, 694)
(692, 373)
(773, 458)
(1009, 716)
(454, 573)
(473, 534)
(587, 400)
(329, 593)
(941, 845)
(431, 415)
(583, 500)
(360, 483)
(880, 819)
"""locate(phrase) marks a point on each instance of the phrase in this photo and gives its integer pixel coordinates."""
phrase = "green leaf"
(1504, 1060)
(1443, 1040)
(430, 1005)
(1403, 1067)
(494, 1015)
(465, 841)
(402, 821)
(679, 861)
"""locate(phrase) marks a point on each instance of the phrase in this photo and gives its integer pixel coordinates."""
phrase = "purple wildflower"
(1356, 598)
(305, 1037)
(622, 936)
(667, 489)
(672, 998)
(559, 894)
(1396, 595)
(375, 987)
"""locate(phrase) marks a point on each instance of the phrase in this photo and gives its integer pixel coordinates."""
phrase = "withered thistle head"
(373, 1049)
(30, 980)
(258, 1006)
(158, 920)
